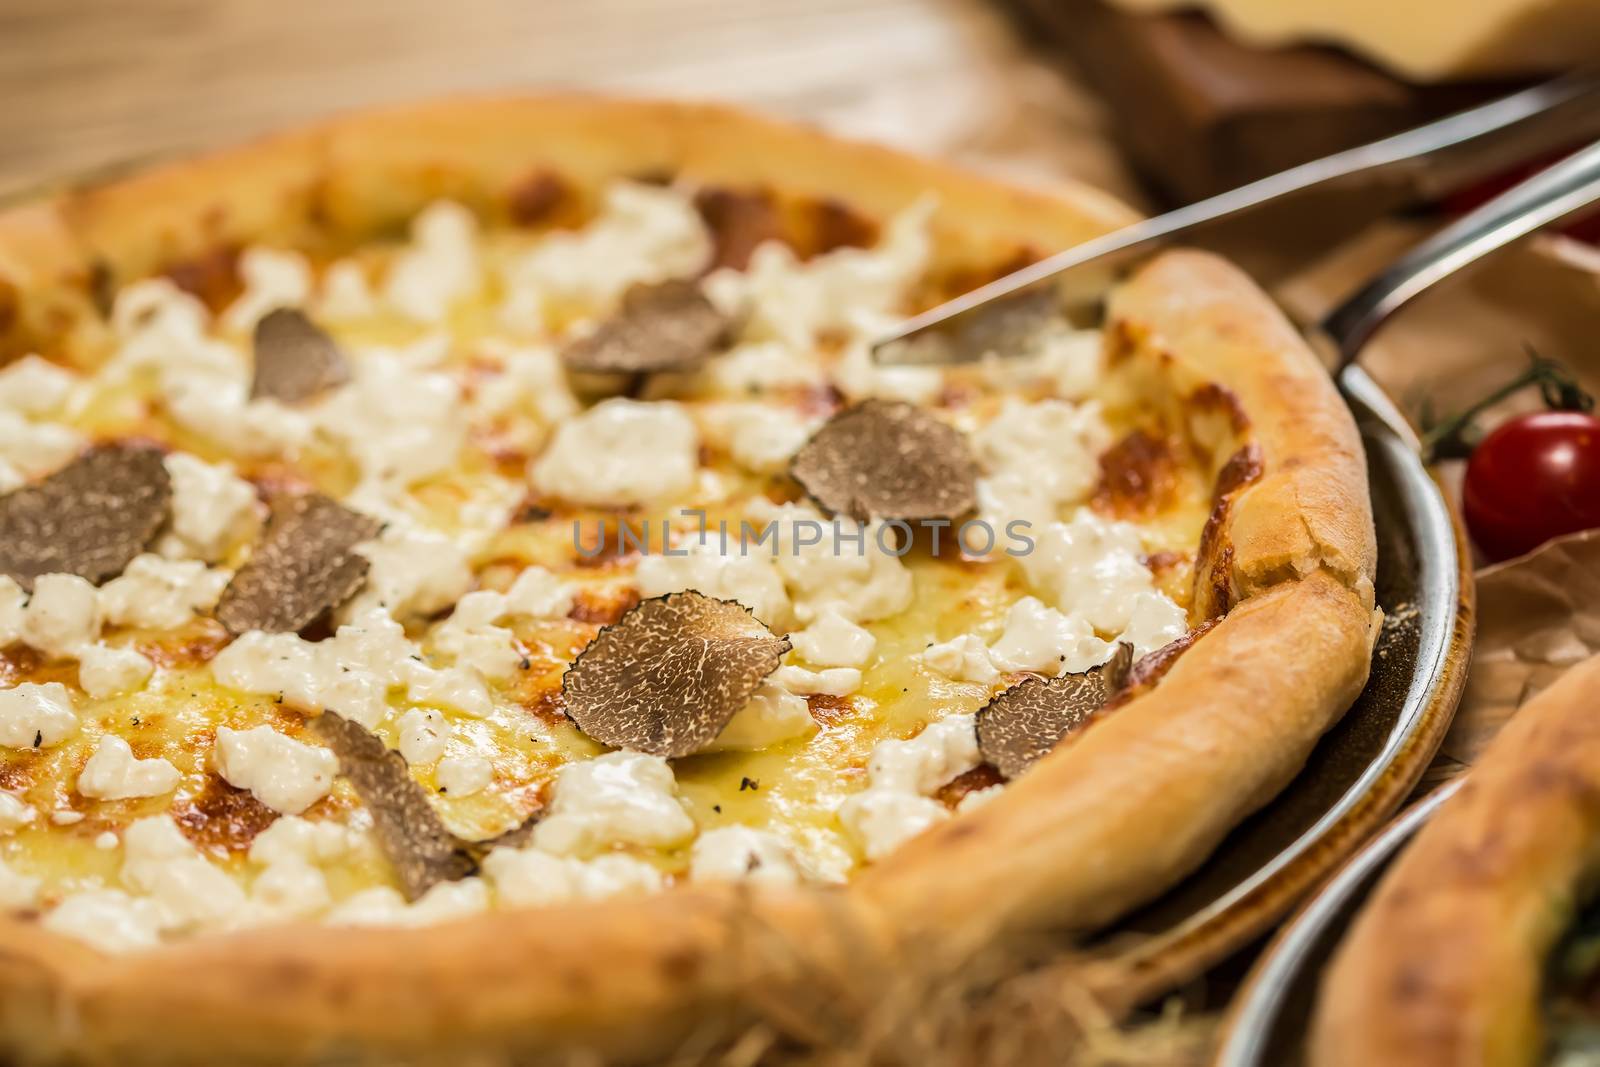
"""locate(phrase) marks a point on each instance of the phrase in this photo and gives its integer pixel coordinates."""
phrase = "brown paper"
(1540, 614)
(1537, 616)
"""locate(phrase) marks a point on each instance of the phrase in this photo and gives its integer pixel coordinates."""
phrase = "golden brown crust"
(1445, 963)
(1142, 796)
(1205, 321)
(1097, 827)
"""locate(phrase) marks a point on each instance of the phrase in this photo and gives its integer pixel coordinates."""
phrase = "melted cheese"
(183, 790)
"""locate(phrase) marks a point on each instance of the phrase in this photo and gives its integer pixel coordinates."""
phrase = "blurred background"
(1152, 104)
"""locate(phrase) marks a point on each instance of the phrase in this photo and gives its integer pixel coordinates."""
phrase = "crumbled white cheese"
(901, 777)
(861, 377)
(773, 714)
(462, 776)
(273, 278)
(284, 774)
(742, 854)
(203, 382)
(881, 820)
(1090, 567)
(294, 839)
(963, 658)
(15, 812)
(529, 395)
(35, 386)
(759, 437)
(106, 841)
(780, 297)
(289, 891)
(620, 798)
(34, 449)
(17, 890)
(62, 615)
(290, 851)
(107, 919)
(380, 905)
(383, 906)
(1068, 361)
(423, 736)
(188, 892)
(439, 267)
(471, 634)
(113, 773)
(833, 682)
(457, 689)
(218, 407)
(105, 671)
(1042, 639)
(943, 751)
(643, 233)
(529, 878)
(1053, 446)
(834, 641)
(748, 575)
(620, 451)
(36, 716)
(161, 594)
(213, 509)
(1155, 621)
(397, 422)
(762, 366)
(413, 573)
(837, 563)
(345, 293)
(978, 798)
(13, 603)
(352, 671)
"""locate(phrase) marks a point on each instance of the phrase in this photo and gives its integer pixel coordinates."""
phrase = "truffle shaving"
(304, 566)
(888, 460)
(668, 326)
(422, 849)
(90, 518)
(295, 360)
(1022, 724)
(666, 677)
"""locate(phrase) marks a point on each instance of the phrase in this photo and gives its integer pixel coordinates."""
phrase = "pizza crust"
(1446, 962)
(1106, 822)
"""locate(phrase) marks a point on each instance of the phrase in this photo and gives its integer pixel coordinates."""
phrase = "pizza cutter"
(996, 318)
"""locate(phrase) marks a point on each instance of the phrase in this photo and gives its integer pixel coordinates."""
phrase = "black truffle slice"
(888, 460)
(668, 326)
(303, 566)
(1026, 721)
(666, 677)
(295, 359)
(90, 518)
(423, 850)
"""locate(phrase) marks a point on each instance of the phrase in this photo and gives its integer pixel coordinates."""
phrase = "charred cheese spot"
(1211, 398)
(220, 819)
(212, 277)
(1138, 476)
(739, 220)
(540, 199)
(980, 777)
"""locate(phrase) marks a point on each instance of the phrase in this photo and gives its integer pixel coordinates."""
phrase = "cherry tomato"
(1534, 478)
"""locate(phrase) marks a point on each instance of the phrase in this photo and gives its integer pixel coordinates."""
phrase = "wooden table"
(89, 83)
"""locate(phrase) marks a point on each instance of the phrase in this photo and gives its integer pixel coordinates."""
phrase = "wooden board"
(1199, 113)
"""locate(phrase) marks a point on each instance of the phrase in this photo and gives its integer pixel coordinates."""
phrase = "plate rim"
(1135, 975)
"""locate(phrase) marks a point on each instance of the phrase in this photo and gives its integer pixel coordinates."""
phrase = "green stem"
(1559, 388)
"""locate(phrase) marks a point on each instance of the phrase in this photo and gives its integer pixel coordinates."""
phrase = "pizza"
(470, 591)
(1479, 944)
